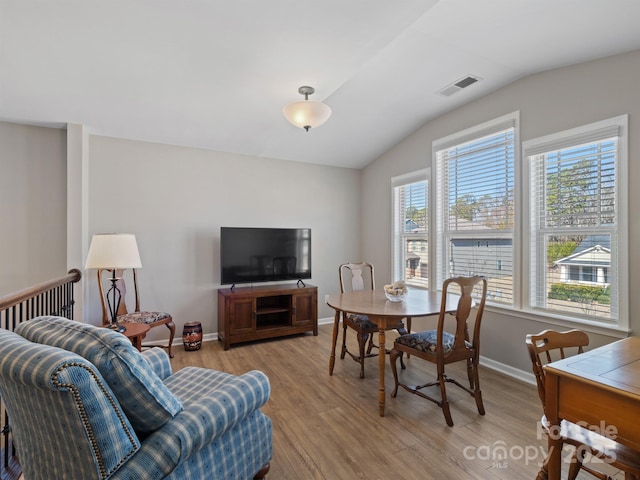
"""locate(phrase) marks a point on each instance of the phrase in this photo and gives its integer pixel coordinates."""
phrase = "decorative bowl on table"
(395, 297)
(396, 292)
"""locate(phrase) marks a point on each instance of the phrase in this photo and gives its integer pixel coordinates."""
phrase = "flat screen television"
(251, 255)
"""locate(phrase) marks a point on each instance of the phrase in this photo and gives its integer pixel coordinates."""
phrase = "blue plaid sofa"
(83, 403)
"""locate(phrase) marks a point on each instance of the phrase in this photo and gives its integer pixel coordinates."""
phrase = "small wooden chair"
(546, 347)
(358, 277)
(153, 319)
(442, 348)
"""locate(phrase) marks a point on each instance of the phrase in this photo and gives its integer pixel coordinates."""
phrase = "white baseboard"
(513, 372)
(325, 321)
(207, 337)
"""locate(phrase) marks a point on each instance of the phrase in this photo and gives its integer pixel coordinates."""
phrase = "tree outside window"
(575, 198)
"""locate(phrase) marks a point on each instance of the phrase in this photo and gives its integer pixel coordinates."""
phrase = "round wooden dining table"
(385, 314)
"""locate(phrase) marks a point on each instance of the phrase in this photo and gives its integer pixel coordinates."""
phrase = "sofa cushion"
(427, 342)
(143, 317)
(147, 402)
(361, 321)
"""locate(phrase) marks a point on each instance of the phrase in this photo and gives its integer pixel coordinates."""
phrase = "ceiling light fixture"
(307, 114)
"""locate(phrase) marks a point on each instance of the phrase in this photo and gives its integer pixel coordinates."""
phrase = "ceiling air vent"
(458, 85)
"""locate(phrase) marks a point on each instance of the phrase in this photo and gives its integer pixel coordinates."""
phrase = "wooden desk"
(600, 388)
(385, 314)
(136, 332)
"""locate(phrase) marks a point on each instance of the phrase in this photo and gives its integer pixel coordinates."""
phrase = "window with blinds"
(575, 196)
(476, 206)
(411, 229)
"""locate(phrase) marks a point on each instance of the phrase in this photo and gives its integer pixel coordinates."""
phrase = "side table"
(136, 332)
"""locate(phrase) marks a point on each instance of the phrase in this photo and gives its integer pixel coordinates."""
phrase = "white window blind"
(411, 229)
(476, 205)
(575, 229)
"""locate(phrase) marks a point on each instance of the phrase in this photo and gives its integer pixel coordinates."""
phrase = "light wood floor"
(328, 427)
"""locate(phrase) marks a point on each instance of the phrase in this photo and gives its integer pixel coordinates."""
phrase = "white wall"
(548, 102)
(174, 199)
(32, 205)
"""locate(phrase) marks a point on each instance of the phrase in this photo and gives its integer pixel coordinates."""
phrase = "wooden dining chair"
(151, 318)
(548, 346)
(357, 277)
(442, 347)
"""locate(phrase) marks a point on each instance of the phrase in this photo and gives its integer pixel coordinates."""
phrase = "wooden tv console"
(256, 313)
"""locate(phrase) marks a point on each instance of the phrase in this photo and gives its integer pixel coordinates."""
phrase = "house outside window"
(411, 229)
(577, 228)
(475, 205)
(588, 264)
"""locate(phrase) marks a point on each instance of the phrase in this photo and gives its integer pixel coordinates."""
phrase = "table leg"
(381, 364)
(332, 358)
(554, 459)
(554, 456)
(137, 341)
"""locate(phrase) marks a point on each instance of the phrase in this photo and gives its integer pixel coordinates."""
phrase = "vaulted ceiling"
(215, 74)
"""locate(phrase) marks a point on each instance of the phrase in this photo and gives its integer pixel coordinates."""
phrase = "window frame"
(398, 259)
(588, 133)
(441, 255)
(522, 306)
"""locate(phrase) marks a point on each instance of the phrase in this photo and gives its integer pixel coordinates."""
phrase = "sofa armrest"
(201, 422)
(221, 409)
(218, 410)
(159, 361)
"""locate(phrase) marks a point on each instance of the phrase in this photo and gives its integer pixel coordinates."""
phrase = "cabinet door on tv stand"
(305, 310)
(242, 317)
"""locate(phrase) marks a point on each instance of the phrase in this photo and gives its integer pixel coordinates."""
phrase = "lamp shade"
(307, 114)
(113, 250)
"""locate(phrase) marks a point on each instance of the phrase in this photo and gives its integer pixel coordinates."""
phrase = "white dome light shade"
(307, 114)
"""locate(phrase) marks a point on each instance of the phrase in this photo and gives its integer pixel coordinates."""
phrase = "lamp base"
(117, 327)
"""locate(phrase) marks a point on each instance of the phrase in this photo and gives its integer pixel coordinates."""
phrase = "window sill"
(590, 326)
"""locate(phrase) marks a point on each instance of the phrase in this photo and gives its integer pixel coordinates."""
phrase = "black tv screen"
(250, 255)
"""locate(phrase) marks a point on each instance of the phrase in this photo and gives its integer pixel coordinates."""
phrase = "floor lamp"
(113, 251)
